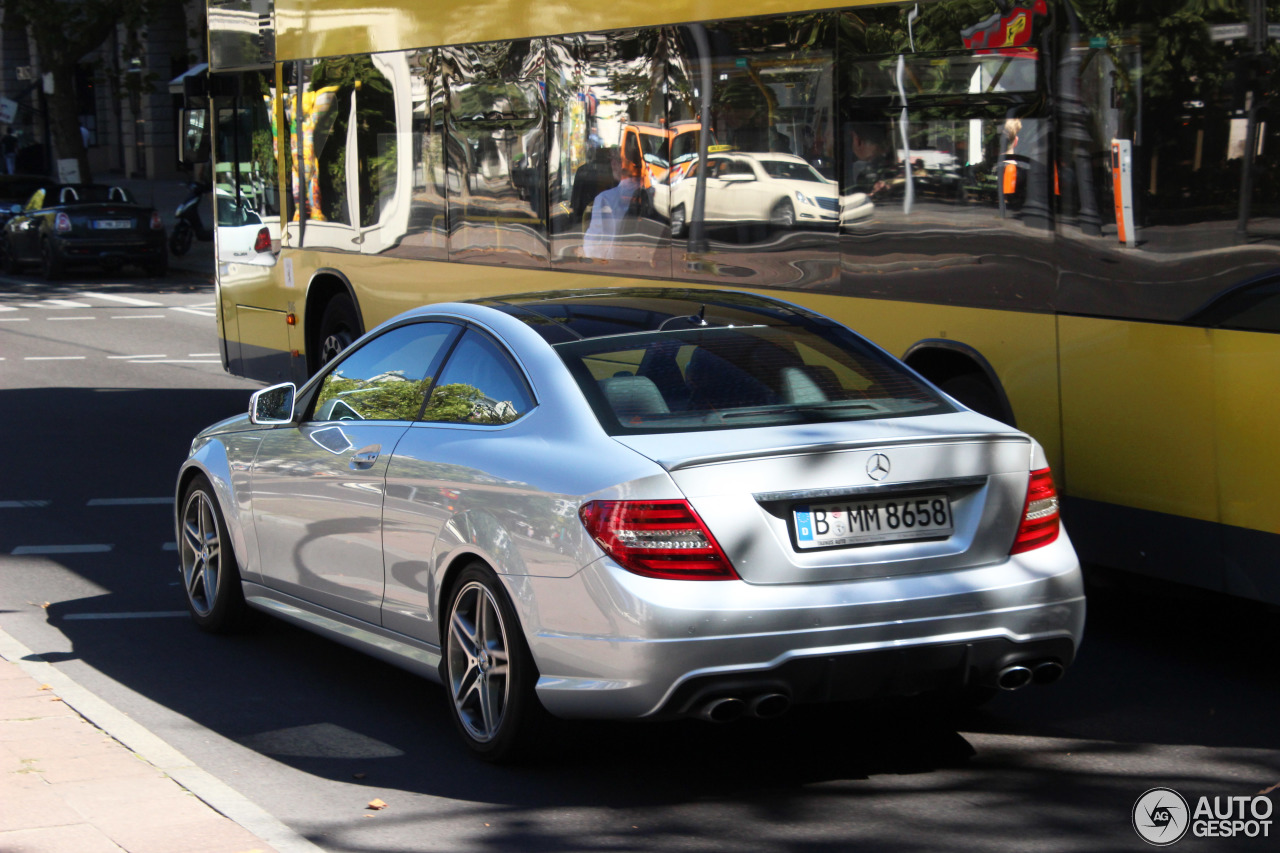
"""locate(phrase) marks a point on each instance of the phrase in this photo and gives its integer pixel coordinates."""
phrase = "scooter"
(190, 224)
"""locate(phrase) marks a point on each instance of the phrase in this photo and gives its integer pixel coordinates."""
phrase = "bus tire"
(339, 327)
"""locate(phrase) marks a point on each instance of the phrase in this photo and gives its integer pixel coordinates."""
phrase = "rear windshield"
(734, 376)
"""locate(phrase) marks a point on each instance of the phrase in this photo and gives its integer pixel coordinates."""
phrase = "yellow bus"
(1063, 212)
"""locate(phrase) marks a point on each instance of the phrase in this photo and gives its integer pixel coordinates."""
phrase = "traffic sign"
(1228, 32)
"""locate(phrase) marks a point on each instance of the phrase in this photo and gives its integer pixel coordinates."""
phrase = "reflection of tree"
(462, 403)
(356, 77)
(388, 397)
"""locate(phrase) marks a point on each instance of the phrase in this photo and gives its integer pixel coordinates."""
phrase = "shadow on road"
(1160, 667)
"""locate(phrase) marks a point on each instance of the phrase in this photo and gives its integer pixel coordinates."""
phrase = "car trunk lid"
(774, 498)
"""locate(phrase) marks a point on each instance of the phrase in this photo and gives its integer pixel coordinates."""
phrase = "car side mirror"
(272, 405)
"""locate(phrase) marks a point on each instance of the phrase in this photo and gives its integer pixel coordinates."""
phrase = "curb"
(215, 793)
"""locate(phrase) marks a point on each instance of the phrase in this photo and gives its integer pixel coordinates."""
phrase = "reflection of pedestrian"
(611, 210)
(870, 161)
(592, 178)
(9, 149)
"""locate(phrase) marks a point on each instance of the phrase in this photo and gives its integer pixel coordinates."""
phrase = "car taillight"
(62, 223)
(156, 222)
(657, 539)
(262, 243)
(1040, 520)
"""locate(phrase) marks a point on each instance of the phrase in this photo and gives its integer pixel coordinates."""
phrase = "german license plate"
(860, 522)
(112, 224)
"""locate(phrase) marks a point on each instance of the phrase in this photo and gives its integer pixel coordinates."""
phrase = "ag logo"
(1161, 816)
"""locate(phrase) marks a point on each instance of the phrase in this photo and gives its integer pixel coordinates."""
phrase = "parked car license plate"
(860, 522)
(112, 224)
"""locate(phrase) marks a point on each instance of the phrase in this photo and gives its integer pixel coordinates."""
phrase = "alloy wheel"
(201, 552)
(479, 662)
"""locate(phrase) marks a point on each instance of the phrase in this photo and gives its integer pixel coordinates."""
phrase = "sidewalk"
(70, 786)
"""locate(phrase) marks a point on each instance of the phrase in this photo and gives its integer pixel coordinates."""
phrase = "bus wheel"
(338, 328)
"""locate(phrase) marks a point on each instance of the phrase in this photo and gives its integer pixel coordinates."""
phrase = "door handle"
(365, 457)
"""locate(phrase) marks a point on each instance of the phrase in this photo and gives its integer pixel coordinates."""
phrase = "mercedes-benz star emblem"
(878, 466)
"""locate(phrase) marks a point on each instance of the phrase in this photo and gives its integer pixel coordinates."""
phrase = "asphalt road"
(104, 382)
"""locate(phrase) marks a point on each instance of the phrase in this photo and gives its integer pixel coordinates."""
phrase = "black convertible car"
(65, 225)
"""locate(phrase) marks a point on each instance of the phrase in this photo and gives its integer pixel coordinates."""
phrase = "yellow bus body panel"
(1138, 422)
(315, 28)
(1247, 411)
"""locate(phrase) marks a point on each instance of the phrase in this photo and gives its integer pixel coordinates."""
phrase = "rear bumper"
(626, 646)
(96, 251)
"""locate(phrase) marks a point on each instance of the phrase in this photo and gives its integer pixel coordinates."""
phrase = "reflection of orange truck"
(659, 153)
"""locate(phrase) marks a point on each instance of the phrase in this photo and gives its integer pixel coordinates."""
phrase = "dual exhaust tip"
(726, 709)
(768, 706)
(1019, 675)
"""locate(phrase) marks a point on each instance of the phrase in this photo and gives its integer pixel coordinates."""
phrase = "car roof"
(564, 316)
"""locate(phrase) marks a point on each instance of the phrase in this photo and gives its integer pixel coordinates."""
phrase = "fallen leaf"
(376, 805)
(1269, 790)
(45, 687)
(358, 775)
(45, 605)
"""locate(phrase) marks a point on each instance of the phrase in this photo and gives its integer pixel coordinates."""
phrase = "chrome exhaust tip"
(768, 706)
(1014, 677)
(1047, 672)
(726, 709)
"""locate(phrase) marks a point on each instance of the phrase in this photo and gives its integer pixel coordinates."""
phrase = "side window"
(387, 378)
(479, 385)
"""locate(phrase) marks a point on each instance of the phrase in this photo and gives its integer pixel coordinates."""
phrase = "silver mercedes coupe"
(635, 503)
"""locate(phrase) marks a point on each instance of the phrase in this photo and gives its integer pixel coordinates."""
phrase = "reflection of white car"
(243, 238)
(781, 189)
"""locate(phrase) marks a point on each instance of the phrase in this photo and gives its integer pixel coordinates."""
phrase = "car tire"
(181, 238)
(783, 215)
(677, 221)
(488, 670)
(210, 573)
(51, 264)
(339, 327)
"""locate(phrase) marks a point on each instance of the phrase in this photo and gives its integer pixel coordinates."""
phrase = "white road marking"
(149, 355)
(60, 549)
(51, 319)
(55, 358)
(7, 308)
(14, 319)
(58, 303)
(23, 504)
(195, 311)
(137, 316)
(128, 501)
(204, 355)
(154, 614)
(180, 361)
(126, 300)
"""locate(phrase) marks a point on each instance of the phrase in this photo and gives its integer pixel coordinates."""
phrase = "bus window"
(609, 155)
(495, 153)
(771, 219)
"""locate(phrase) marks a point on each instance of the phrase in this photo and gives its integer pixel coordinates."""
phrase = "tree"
(62, 33)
